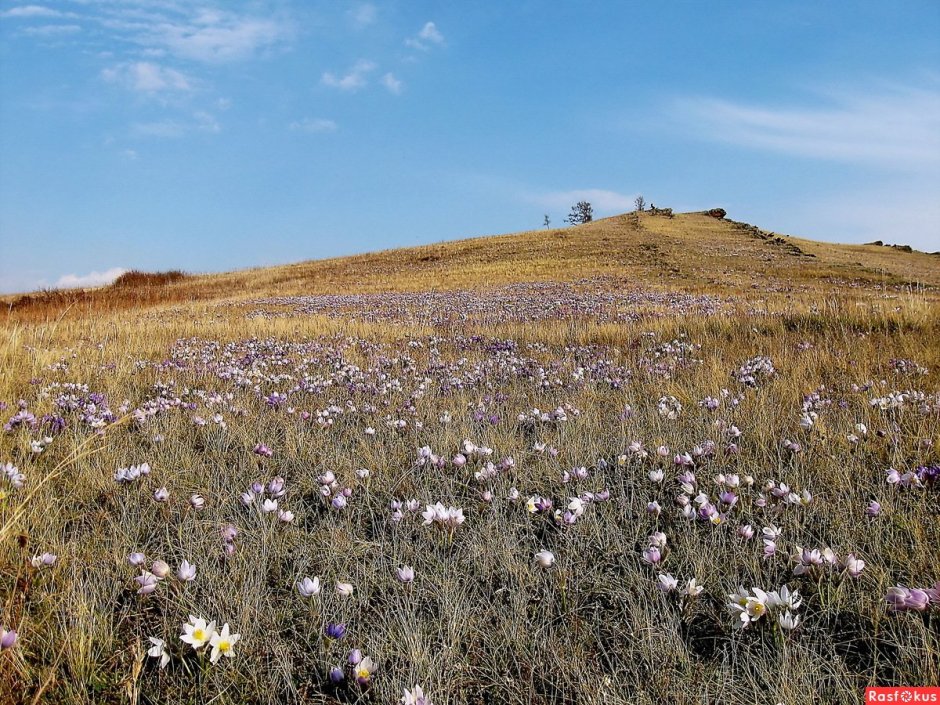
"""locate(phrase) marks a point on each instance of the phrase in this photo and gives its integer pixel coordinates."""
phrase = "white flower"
(344, 589)
(692, 589)
(269, 505)
(197, 633)
(788, 621)
(546, 559)
(158, 650)
(222, 643)
(415, 696)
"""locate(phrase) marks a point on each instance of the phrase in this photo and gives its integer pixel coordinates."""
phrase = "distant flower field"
(539, 494)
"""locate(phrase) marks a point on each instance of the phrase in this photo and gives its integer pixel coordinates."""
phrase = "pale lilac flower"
(405, 573)
(7, 638)
(651, 555)
(161, 495)
(186, 572)
(44, 560)
(276, 487)
(339, 502)
(308, 587)
(666, 582)
(147, 581)
(160, 568)
(197, 501)
(873, 509)
(136, 559)
(344, 589)
(654, 508)
(286, 516)
(853, 565)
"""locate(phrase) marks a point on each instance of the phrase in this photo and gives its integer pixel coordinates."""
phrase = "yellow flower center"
(225, 646)
(199, 635)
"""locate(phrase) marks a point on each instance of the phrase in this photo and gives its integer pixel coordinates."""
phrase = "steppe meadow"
(431, 352)
(599, 490)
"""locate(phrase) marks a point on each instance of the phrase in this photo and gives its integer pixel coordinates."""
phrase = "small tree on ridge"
(581, 212)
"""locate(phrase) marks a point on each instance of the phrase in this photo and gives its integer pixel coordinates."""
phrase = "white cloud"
(363, 15)
(896, 127)
(429, 34)
(147, 77)
(25, 11)
(73, 281)
(352, 80)
(603, 201)
(158, 128)
(129, 154)
(201, 121)
(394, 85)
(51, 30)
(314, 125)
(216, 37)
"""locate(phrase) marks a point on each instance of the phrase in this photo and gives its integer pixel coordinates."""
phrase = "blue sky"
(158, 134)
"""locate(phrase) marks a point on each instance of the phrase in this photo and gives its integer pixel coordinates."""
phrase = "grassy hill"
(689, 252)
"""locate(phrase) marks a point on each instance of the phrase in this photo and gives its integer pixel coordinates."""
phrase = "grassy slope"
(482, 622)
(691, 252)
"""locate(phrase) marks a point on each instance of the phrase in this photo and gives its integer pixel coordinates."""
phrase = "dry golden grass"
(690, 252)
(482, 622)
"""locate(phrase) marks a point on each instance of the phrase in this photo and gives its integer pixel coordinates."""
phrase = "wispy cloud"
(392, 84)
(428, 35)
(51, 30)
(603, 201)
(72, 281)
(352, 80)
(216, 37)
(28, 11)
(201, 121)
(363, 15)
(895, 127)
(314, 125)
(147, 77)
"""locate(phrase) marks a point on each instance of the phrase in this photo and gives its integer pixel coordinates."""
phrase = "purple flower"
(335, 630)
(262, 450)
(336, 674)
(7, 638)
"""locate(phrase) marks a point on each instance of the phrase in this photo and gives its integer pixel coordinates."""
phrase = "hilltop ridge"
(690, 252)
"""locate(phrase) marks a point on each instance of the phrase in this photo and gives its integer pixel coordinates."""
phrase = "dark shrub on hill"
(136, 278)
